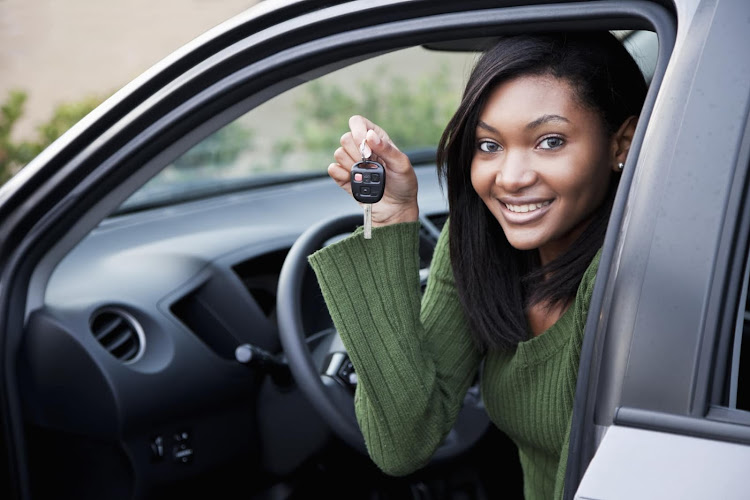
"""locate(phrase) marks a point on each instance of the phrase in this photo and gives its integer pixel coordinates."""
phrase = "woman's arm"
(414, 357)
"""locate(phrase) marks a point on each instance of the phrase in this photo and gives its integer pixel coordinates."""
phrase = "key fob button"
(364, 190)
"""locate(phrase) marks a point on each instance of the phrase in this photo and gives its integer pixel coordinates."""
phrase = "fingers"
(340, 174)
(350, 153)
(399, 203)
(376, 139)
(344, 158)
(349, 149)
(359, 126)
(383, 151)
(391, 156)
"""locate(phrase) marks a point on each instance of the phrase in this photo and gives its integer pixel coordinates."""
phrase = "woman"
(531, 160)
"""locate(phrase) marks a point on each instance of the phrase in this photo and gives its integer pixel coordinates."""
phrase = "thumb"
(388, 152)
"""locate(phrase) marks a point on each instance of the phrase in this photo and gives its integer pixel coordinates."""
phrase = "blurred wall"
(66, 50)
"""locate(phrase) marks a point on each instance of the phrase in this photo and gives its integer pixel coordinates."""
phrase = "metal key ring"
(362, 150)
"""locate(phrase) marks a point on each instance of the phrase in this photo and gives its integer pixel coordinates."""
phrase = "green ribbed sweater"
(415, 358)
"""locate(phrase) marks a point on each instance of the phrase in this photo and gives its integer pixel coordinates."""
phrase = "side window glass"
(412, 93)
(739, 368)
(644, 47)
(735, 389)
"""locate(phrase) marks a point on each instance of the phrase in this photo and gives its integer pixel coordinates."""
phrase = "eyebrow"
(531, 125)
(546, 119)
(485, 126)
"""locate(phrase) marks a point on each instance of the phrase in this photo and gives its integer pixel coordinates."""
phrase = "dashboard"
(133, 353)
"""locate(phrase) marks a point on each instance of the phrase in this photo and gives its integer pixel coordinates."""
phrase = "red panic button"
(358, 177)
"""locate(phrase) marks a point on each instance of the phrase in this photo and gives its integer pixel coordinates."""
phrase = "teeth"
(526, 208)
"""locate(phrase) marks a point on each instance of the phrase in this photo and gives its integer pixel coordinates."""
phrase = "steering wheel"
(319, 362)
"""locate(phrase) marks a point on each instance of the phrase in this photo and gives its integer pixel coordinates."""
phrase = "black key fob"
(368, 181)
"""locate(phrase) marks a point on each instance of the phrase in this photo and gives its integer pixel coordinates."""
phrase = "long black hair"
(496, 282)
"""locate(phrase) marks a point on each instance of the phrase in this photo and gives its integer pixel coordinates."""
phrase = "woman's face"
(542, 163)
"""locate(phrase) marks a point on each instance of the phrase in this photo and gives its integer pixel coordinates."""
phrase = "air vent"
(119, 333)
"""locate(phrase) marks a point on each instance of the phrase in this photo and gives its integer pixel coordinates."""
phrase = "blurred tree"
(65, 116)
(413, 112)
(219, 149)
(12, 155)
(15, 155)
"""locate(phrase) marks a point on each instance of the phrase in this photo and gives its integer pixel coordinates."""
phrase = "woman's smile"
(524, 211)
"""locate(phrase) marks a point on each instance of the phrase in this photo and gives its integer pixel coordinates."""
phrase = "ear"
(620, 144)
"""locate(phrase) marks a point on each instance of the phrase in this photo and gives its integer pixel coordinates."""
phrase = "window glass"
(412, 93)
(738, 396)
(644, 47)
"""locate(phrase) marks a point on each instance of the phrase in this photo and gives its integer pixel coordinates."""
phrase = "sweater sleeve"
(413, 355)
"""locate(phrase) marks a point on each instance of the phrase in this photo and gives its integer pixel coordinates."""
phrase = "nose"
(515, 173)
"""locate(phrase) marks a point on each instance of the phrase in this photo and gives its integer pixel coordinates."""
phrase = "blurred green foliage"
(65, 116)
(413, 112)
(219, 149)
(14, 155)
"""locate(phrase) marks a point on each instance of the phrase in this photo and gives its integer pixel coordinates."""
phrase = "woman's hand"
(399, 202)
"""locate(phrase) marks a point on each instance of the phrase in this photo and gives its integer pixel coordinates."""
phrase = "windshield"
(412, 93)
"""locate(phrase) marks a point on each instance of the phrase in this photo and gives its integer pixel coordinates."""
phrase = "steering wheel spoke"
(330, 356)
(341, 369)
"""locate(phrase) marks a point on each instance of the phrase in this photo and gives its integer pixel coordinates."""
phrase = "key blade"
(368, 221)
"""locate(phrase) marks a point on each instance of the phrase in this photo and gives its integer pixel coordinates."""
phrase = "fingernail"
(373, 138)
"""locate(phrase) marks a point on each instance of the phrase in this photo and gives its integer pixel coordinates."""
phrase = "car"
(162, 335)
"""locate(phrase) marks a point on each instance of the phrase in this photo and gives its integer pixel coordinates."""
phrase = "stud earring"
(620, 166)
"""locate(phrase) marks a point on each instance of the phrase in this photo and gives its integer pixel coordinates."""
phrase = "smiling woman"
(541, 166)
(596, 89)
(531, 159)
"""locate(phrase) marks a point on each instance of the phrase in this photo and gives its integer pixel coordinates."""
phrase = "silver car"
(162, 336)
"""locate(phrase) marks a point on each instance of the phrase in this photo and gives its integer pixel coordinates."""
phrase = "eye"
(551, 142)
(488, 146)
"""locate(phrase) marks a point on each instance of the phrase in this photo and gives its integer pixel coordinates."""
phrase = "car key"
(368, 185)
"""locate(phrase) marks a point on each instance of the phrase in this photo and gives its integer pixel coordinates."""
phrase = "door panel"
(635, 463)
